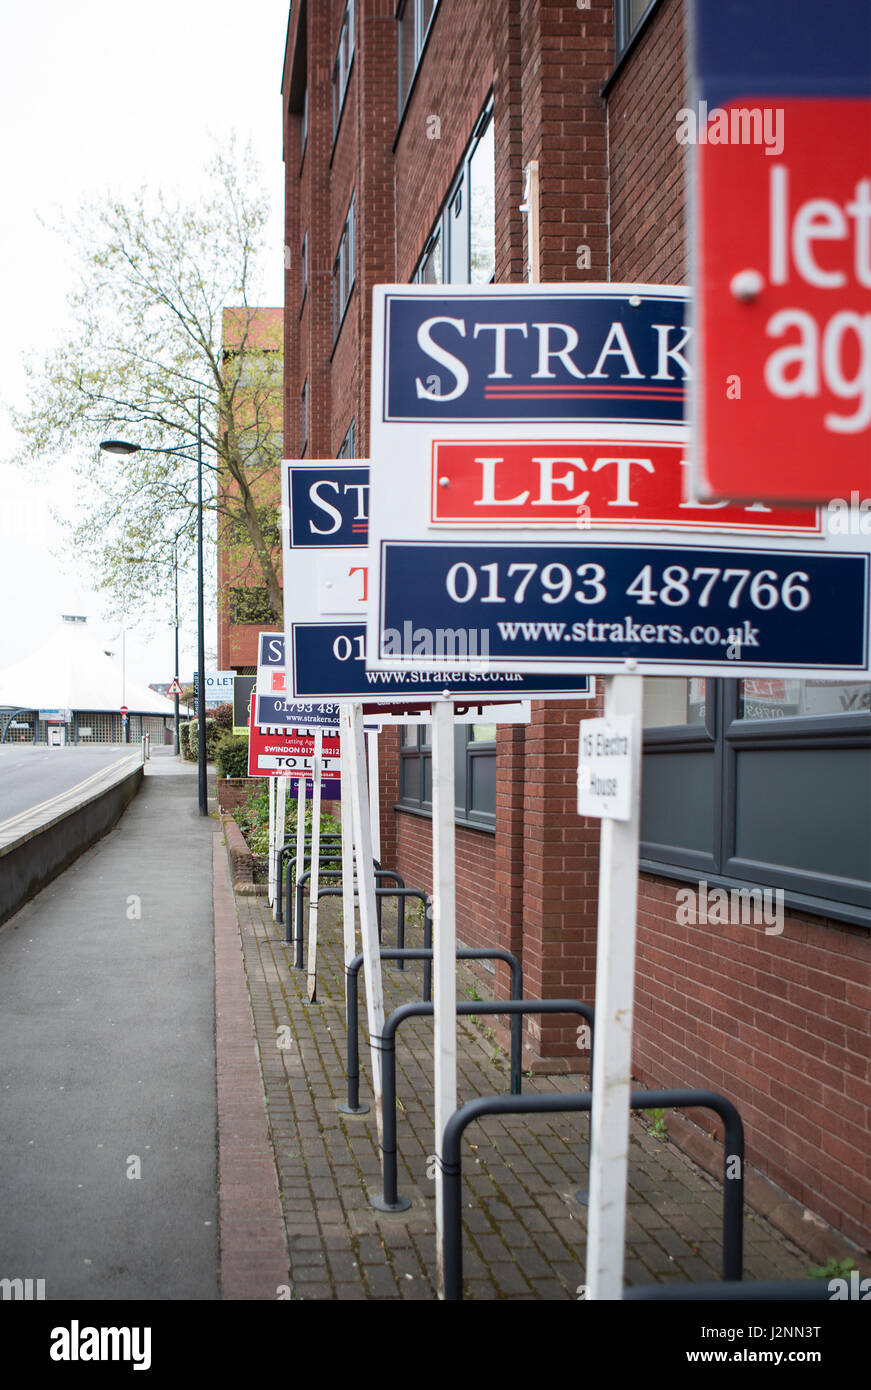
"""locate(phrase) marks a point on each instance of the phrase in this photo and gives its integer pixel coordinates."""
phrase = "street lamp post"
(122, 446)
(176, 742)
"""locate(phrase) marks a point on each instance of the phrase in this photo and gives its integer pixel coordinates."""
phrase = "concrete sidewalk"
(525, 1234)
(107, 1062)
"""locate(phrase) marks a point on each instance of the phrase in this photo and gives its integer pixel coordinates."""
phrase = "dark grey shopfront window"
(762, 782)
(474, 770)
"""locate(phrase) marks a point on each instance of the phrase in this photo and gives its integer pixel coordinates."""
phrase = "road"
(29, 776)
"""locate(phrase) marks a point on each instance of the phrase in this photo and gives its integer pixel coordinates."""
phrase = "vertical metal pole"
(176, 744)
(270, 881)
(368, 919)
(348, 924)
(444, 950)
(315, 869)
(280, 812)
(292, 919)
(615, 981)
(201, 629)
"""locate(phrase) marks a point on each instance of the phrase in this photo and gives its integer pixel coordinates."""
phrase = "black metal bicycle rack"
(452, 1173)
(389, 1199)
(303, 879)
(751, 1291)
(328, 840)
(352, 973)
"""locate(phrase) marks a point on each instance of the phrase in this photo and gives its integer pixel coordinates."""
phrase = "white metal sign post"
(270, 882)
(615, 980)
(315, 864)
(444, 948)
(366, 894)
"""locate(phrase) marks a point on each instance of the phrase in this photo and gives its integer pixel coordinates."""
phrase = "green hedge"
(232, 756)
(215, 735)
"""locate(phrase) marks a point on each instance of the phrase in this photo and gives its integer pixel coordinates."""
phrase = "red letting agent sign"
(595, 482)
(782, 241)
(276, 751)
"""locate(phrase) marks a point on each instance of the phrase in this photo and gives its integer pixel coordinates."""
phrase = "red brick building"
(252, 344)
(407, 131)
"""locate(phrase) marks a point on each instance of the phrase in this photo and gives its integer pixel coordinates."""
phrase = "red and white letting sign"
(783, 283)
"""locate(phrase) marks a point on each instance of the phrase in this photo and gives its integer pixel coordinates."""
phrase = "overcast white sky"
(98, 95)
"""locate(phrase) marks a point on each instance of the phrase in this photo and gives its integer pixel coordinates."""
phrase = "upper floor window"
(415, 17)
(342, 65)
(343, 272)
(346, 449)
(303, 268)
(628, 15)
(461, 248)
(303, 434)
(303, 134)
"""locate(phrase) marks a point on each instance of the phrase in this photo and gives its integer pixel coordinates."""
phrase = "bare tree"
(148, 336)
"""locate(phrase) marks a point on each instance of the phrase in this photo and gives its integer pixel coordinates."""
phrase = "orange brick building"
(252, 346)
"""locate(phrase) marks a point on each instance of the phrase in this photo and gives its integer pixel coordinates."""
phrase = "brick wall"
(778, 1023)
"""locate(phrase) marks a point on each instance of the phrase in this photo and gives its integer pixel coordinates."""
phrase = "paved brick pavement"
(524, 1235)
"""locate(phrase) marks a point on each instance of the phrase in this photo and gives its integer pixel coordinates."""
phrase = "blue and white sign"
(511, 428)
(665, 608)
(332, 656)
(584, 352)
(273, 705)
(326, 606)
(328, 505)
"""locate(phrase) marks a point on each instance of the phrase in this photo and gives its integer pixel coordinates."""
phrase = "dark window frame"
(625, 40)
(724, 736)
(415, 748)
(344, 269)
(342, 65)
(460, 185)
(304, 420)
(421, 39)
(346, 448)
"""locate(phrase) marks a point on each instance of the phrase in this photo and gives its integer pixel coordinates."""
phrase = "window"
(303, 267)
(628, 15)
(461, 248)
(474, 772)
(304, 421)
(346, 450)
(303, 134)
(762, 782)
(342, 65)
(414, 17)
(343, 272)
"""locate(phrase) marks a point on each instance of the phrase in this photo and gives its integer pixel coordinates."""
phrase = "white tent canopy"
(72, 671)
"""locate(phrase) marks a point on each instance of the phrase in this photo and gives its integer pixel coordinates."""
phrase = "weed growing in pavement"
(832, 1269)
(656, 1123)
